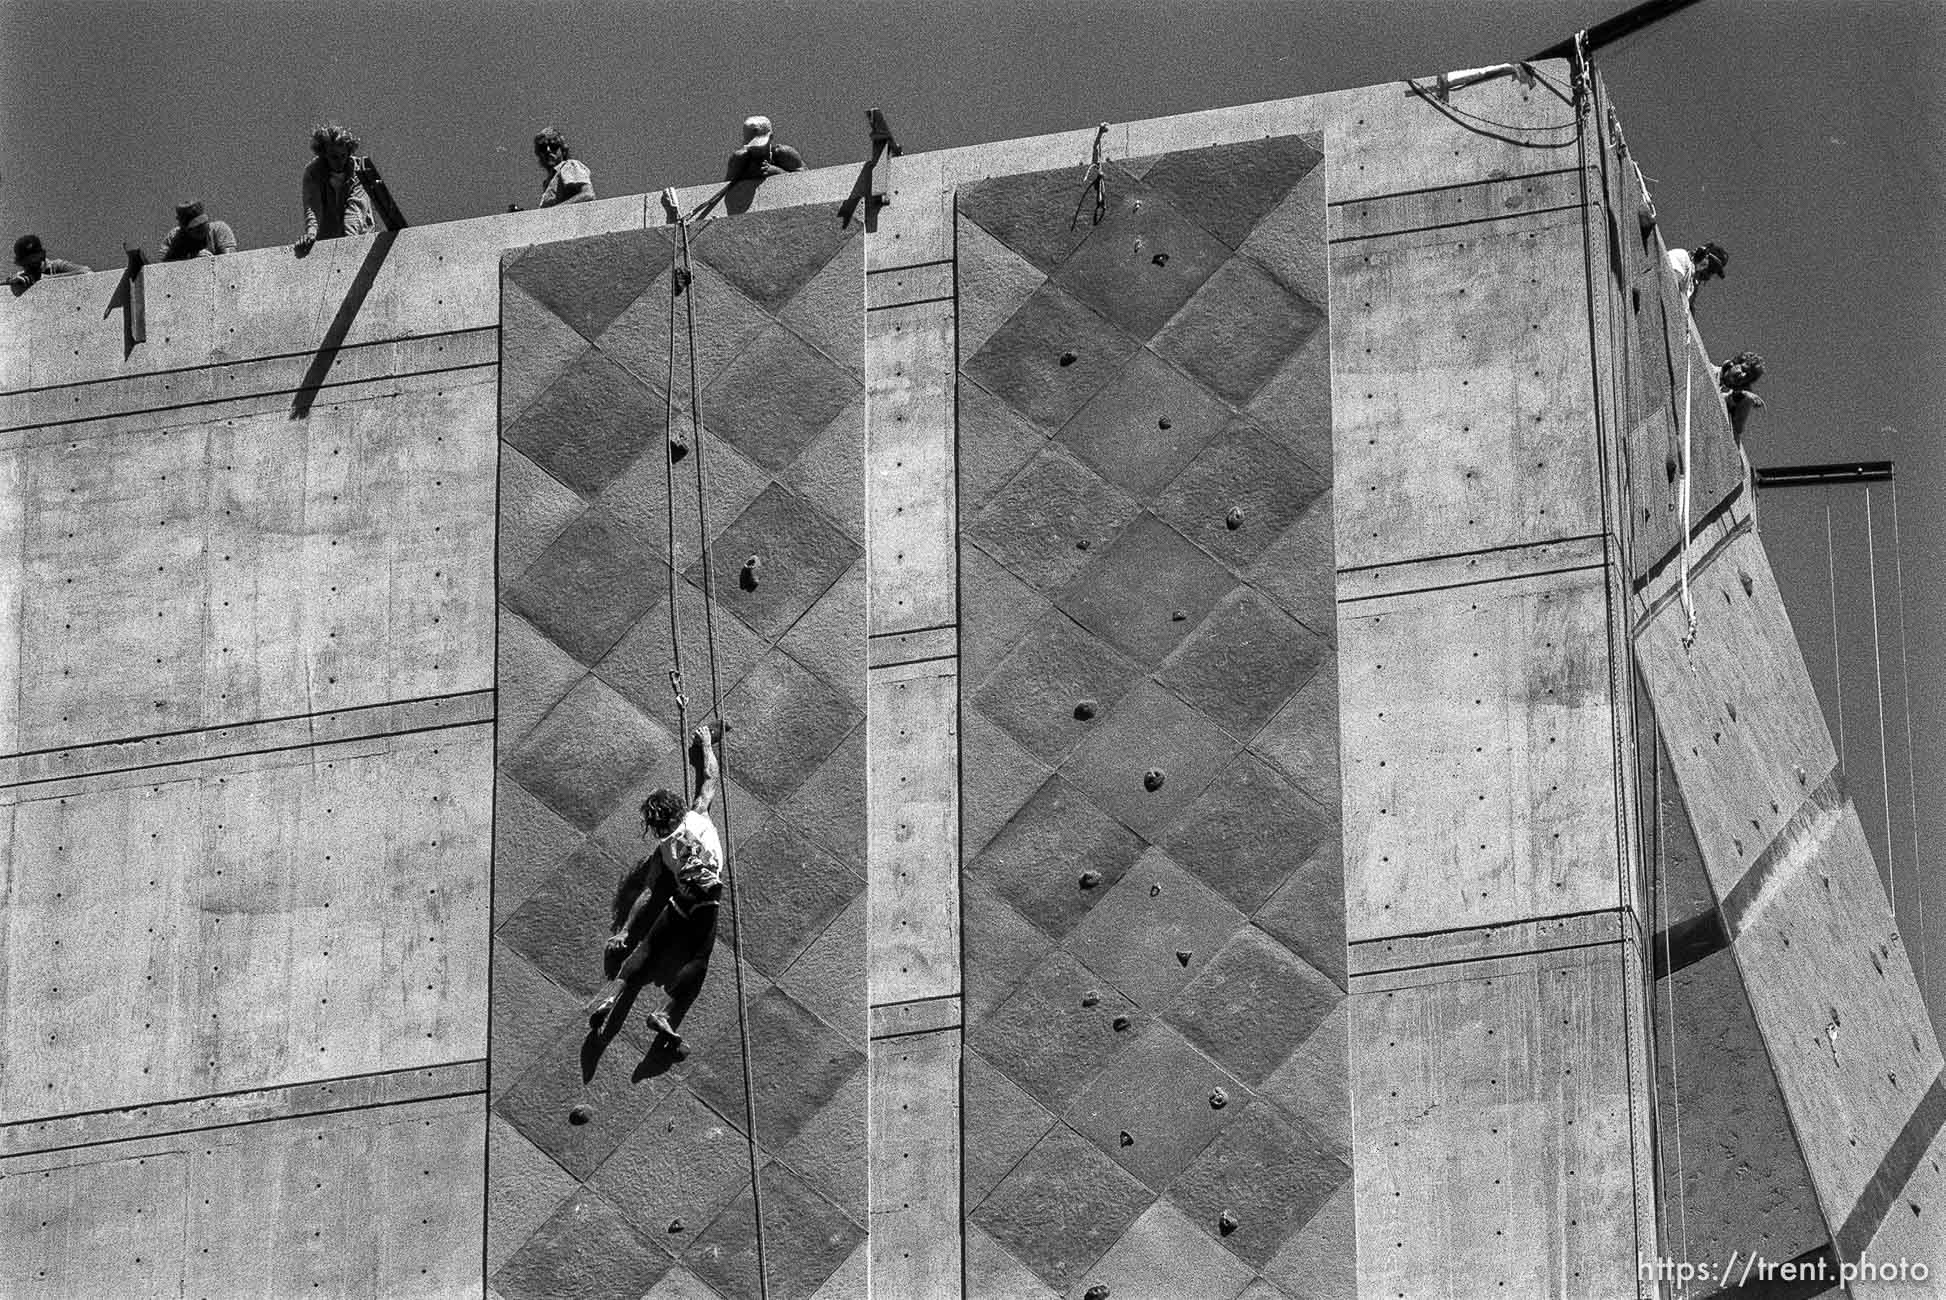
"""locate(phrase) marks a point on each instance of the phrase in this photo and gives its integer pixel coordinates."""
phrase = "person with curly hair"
(336, 200)
(568, 178)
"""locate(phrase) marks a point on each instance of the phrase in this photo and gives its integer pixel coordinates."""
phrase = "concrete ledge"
(921, 1016)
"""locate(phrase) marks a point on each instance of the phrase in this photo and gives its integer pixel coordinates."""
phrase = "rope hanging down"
(680, 280)
(1688, 605)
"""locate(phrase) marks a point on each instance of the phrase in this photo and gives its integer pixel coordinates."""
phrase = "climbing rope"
(1682, 509)
(676, 289)
(680, 283)
(1837, 663)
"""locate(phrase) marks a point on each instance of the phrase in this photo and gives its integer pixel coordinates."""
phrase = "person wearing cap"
(336, 202)
(196, 235)
(761, 155)
(33, 261)
(568, 178)
(1694, 267)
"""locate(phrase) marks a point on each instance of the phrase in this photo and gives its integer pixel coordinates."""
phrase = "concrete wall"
(256, 569)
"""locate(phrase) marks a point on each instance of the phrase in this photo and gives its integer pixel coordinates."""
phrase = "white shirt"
(1684, 267)
(694, 852)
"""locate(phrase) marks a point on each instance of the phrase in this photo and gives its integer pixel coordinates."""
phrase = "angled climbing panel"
(634, 1162)
(1155, 1074)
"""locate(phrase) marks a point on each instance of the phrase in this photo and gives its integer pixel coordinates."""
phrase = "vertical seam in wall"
(493, 796)
(959, 757)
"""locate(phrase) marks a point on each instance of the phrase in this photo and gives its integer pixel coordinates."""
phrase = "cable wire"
(716, 707)
(1878, 677)
(1905, 695)
(1837, 663)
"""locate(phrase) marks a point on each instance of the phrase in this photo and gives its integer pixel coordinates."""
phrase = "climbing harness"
(1095, 180)
(681, 277)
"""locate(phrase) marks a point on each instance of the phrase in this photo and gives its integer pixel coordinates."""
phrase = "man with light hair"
(761, 155)
(1696, 267)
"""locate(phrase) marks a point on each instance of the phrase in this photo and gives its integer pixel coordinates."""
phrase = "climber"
(33, 261)
(568, 178)
(196, 235)
(1734, 380)
(1695, 267)
(760, 155)
(665, 908)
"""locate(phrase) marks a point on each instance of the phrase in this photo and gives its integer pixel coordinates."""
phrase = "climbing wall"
(1155, 1080)
(612, 1171)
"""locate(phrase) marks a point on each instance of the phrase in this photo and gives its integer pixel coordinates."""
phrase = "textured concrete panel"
(1051, 356)
(1154, 930)
(1268, 1173)
(915, 1144)
(1061, 1208)
(1250, 834)
(1254, 981)
(1522, 1072)
(1163, 1256)
(100, 1227)
(1150, 1109)
(1478, 740)
(1230, 189)
(590, 424)
(912, 743)
(240, 923)
(588, 282)
(1143, 428)
(656, 1133)
(1057, 1030)
(913, 493)
(1057, 858)
(278, 566)
(1151, 733)
(1145, 592)
(1143, 262)
(1243, 662)
(1047, 520)
(1464, 363)
(1240, 494)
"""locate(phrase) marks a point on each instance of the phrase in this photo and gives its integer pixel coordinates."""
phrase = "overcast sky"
(1804, 134)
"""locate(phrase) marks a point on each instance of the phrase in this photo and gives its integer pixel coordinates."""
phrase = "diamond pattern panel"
(1148, 607)
(647, 1137)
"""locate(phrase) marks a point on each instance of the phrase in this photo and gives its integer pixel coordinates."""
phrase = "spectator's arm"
(225, 237)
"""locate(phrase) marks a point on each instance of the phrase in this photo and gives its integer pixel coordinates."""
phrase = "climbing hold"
(581, 1114)
(1121, 1024)
(1085, 710)
(1178, 616)
(675, 1225)
(1182, 957)
(1152, 779)
(1154, 890)
(1128, 1139)
(1091, 998)
(1081, 545)
(1234, 519)
(670, 1127)
(1160, 259)
(1067, 358)
(1226, 1223)
(677, 449)
(1744, 578)
(1218, 1099)
(1089, 879)
(747, 579)
(1099, 1291)
(1164, 423)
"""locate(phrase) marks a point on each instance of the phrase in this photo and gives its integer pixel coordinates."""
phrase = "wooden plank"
(1490, 1134)
(246, 923)
(911, 506)
(1478, 738)
(1462, 394)
(912, 744)
(915, 1173)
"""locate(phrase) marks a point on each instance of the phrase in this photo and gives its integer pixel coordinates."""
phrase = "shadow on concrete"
(334, 337)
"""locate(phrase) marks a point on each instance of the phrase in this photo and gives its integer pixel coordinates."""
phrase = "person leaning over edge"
(196, 235)
(568, 178)
(336, 202)
(32, 259)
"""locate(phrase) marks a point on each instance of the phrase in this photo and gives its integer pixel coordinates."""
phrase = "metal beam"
(1610, 30)
(1853, 471)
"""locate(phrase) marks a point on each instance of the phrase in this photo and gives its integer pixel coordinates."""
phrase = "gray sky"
(1805, 135)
